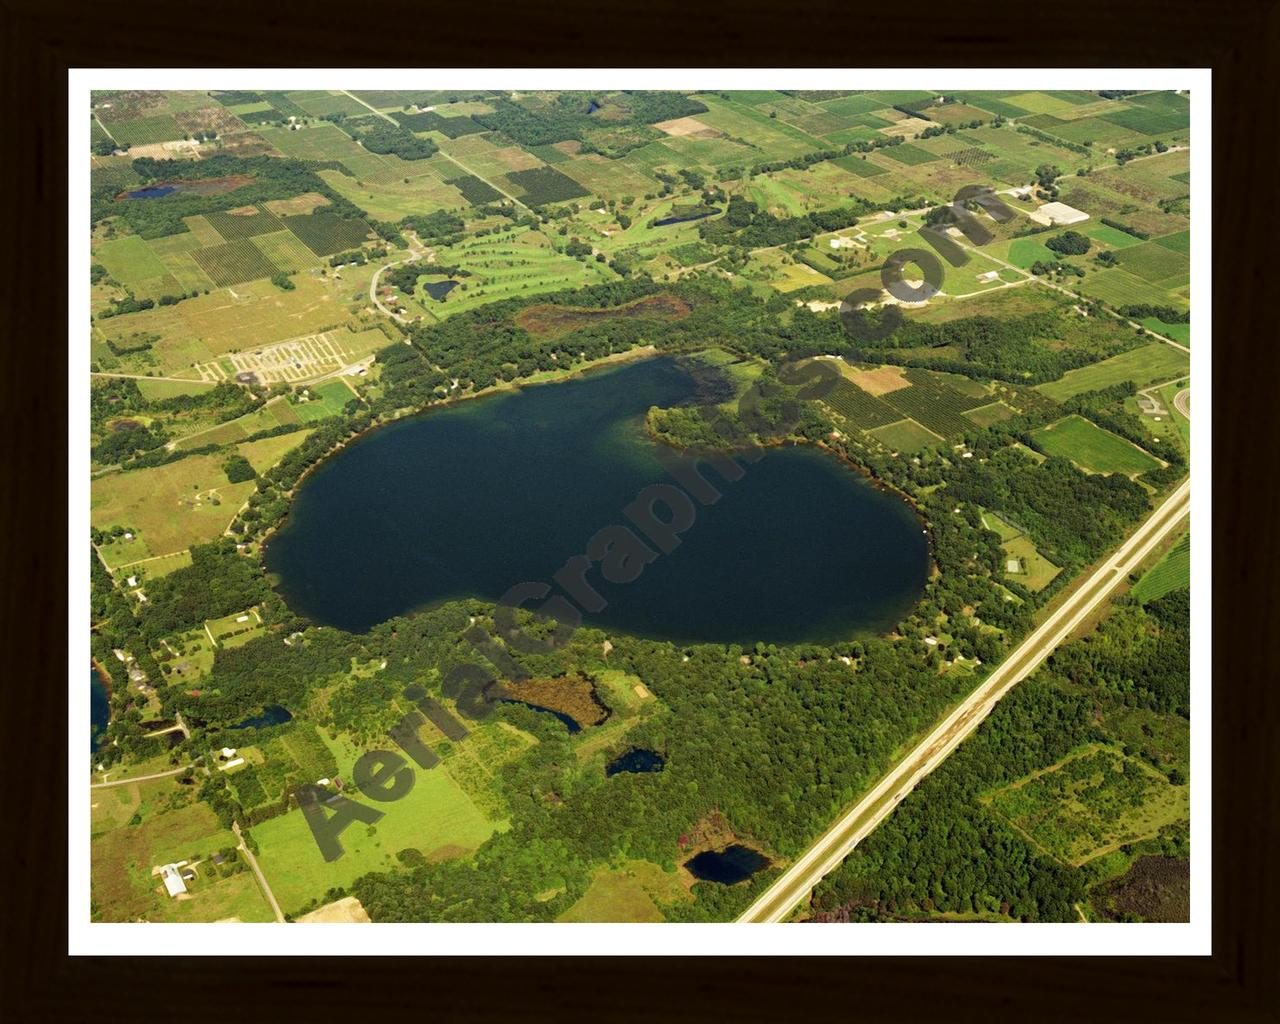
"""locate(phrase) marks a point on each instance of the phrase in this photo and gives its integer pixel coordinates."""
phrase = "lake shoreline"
(400, 416)
(856, 596)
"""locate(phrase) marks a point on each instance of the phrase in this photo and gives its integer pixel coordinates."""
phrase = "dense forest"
(569, 115)
(270, 178)
(945, 850)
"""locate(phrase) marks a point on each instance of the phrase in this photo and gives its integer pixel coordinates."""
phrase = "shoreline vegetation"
(573, 695)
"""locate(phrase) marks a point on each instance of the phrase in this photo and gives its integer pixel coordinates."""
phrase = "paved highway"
(795, 885)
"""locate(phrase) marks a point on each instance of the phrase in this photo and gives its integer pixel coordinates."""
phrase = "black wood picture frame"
(1238, 39)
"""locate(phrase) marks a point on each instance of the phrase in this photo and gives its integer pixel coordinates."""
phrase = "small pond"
(729, 866)
(569, 722)
(636, 760)
(99, 710)
(681, 220)
(439, 289)
(271, 715)
(151, 192)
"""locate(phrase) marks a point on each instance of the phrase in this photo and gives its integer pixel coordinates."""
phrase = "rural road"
(795, 885)
(452, 159)
(262, 879)
(373, 291)
(140, 778)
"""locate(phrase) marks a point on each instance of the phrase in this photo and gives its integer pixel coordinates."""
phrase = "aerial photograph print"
(583, 505)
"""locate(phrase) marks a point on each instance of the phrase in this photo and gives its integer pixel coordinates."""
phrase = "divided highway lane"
(795, 885)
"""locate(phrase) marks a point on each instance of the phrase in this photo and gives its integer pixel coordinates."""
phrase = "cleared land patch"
(1145, 365)
(1092, 448)
(1093, 802)
(557, 321)
(880, 381)
(1024, 562)
(905, 436)
(628, 894)
(436, 817)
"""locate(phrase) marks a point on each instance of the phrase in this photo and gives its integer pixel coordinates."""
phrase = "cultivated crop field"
(1092, 448)
(234, 263)
(905, 436)
(324, 234)
(243, 224)
(1145, 365)
(934, 404)
(860, 409)
(1172, 572)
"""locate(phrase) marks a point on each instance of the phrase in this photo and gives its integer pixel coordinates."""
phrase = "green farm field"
(436, 818)
(1181, 333)
(1146, 365)
(131, 261)
(179, 504)
(393, 200)
(905, 436)
(1092, 448)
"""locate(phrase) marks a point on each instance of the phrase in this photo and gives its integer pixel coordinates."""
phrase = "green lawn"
(1023, 252)
(1092, 448)
(1181, 333)
(326, 399)
(437, 817)
(1035, 572)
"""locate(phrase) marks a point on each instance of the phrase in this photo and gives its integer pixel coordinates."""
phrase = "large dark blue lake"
(472, 499)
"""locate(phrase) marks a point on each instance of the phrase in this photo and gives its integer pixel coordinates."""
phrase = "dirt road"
(262, 879)
(794, 886)
(140, 778)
